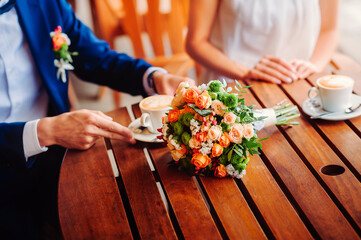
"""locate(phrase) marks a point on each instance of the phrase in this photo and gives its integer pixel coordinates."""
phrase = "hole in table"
(332, 170)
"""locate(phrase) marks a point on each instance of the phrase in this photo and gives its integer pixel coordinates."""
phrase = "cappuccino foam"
(156, 102)
(335, 81)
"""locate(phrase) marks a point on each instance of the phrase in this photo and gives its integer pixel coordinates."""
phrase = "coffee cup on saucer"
(334, 92)
(153, 108)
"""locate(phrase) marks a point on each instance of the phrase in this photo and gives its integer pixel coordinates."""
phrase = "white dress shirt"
(23, 96)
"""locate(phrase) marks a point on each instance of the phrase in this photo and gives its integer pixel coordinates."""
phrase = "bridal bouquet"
(211, 132)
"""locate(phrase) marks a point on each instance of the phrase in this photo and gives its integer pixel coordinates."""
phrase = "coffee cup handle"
(311, 91)
(146, 122)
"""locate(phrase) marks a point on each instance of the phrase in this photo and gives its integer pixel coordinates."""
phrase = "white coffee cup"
(334, 91)
(153, 108)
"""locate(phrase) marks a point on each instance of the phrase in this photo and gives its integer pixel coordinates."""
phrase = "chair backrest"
(159, 19)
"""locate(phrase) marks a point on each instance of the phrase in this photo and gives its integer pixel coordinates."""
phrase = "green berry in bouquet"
(211, 132)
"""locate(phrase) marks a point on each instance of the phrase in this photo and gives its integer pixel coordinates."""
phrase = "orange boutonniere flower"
(63, 57)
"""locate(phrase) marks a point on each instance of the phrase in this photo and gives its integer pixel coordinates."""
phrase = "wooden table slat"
(184, 196)
(145, 200)
(318, 153)
(340, 134)
(313, 199)
(237, 211)
(102, 215)
(272, 203)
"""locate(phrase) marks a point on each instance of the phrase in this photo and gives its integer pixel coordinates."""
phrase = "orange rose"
(183, 150)
(236, 133)
(203, 101)
(173, 115)
(191, 95)
(229, 118)
(200, 160)
(216, 150)
(220, 171)
(224, 140)
(201, 136)
(198, 117)
(188, 109)
(58, 41)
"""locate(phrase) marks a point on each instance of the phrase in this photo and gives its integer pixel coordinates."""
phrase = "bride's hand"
(303, 68)
(274, 70)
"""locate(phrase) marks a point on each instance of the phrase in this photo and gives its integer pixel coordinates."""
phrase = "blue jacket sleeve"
(11, 144)
(96, 62)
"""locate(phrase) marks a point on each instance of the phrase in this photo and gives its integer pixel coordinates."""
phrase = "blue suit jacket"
(95, 63)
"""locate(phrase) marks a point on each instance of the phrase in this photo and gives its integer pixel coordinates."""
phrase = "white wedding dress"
(246, 30)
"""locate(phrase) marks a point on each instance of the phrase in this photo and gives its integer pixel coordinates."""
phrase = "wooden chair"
(117, 17)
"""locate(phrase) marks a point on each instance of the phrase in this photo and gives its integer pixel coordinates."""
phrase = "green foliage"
(185, 138)
(178, 128)
(215, 86)
(225, 127)
(187, 117)
(231, 101)
(203, 113)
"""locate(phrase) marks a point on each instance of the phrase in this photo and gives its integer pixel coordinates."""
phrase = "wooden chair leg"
(116, 98)
(101, 92)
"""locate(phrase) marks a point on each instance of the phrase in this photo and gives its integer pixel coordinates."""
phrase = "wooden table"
(304, 185)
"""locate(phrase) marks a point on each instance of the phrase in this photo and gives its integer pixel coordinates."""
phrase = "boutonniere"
(63, 57)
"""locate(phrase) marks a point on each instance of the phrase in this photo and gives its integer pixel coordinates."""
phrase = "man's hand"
(80, 129)
(274, 70)
(167, 84)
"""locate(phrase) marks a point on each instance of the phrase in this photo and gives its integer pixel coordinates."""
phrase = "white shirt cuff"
(30, 139)
(150, 89)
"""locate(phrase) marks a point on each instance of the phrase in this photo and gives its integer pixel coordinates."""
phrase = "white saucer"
(310, 109)
(142, 134)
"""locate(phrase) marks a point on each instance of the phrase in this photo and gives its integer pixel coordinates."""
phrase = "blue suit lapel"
(37, 33)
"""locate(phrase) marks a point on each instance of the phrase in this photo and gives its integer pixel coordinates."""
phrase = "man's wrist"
(148, 79)
(30, 139)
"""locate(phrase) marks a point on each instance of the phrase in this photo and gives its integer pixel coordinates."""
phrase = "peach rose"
(201, 136)
(173, 115)
(216, 150)
(229, 118)
(224, 140)
(203, 101)
(248, 131)
(177, 101)
(236, 133)
(58, 41)
(220, 171)
(215, 132)
(218, 106)
(176, 155)
(191, 95)
(200, 160)
(194, 143)
(181, 89)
